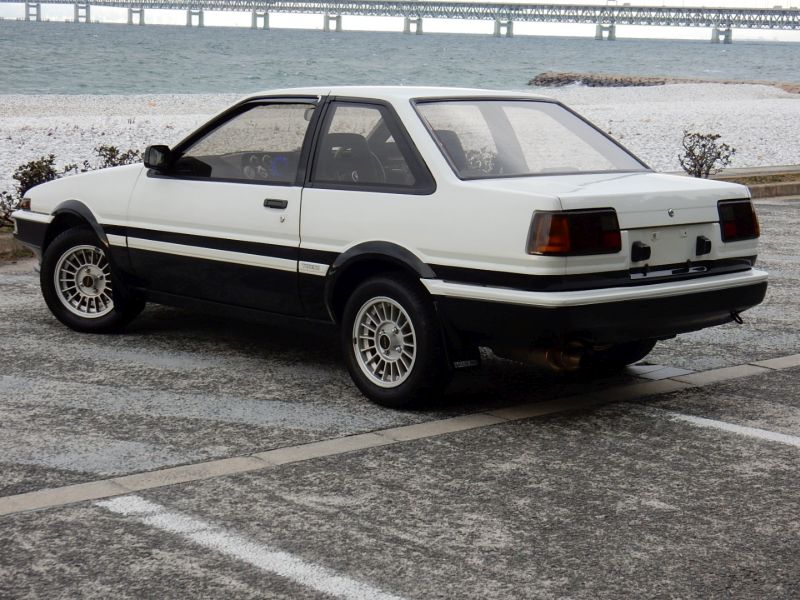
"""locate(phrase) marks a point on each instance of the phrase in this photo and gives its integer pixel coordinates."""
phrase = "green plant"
(110, 156)
(703, 154)
(8, 204)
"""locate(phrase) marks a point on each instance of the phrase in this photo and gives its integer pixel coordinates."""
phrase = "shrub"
(110, 156)
(704, 154)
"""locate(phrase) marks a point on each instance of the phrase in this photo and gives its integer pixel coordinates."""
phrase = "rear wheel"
(80, 287)
(618, 356)
(393, 343)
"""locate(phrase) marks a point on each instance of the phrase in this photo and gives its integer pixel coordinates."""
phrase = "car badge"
(671, 212)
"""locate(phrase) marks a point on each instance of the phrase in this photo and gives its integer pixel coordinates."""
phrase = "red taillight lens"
(570, 233)
(737, 220)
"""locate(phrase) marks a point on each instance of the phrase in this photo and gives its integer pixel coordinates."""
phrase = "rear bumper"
(609, 315)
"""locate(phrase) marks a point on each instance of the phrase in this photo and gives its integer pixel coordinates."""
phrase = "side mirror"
(157, 157)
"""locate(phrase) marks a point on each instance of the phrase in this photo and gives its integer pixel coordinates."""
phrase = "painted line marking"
(263, 557)
(753, 432)
(125, 484)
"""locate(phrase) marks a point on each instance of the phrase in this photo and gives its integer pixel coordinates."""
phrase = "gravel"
(761, 122)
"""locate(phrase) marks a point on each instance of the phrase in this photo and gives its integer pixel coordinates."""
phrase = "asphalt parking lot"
(199, 457)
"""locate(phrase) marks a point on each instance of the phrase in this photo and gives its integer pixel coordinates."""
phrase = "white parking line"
(263, 557)
(753, 432)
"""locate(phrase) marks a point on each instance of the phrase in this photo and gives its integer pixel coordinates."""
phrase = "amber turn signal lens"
(550, 234)
(737, 220)
(574, 233)
(25, 204)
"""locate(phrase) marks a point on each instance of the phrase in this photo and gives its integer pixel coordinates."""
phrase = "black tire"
(618, 356)
(105, 304)
(411, 382)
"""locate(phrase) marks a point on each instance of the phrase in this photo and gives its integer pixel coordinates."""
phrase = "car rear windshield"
(490, 138)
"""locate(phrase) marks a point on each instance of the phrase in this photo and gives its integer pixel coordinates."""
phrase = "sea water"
(70, 58)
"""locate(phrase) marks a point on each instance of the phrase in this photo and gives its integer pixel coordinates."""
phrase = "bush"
(8, 204)
(110, 156)
(703, 154)
(44, 169)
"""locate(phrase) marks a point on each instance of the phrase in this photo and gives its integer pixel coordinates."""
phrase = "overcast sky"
(212, 18)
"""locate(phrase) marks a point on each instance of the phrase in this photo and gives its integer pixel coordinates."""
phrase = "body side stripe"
(211, 243)
(240, 258)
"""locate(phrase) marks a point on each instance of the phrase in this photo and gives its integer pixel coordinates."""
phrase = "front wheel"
(80, 287)
(393, 343)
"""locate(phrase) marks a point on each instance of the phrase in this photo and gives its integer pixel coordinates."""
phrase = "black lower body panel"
(32, 234)
(486, 322)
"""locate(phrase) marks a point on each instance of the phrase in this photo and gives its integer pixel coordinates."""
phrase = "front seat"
(452, 146)
(346, 157)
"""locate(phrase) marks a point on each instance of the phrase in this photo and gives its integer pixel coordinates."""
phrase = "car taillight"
(575, 232)
(737, 220)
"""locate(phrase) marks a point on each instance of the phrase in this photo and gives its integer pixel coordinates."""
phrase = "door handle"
(273, 203)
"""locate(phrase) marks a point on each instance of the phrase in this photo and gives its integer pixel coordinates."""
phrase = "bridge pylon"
(138, 13)
(33, 11)
(608, 32)
(412, 22)
(503, 27)
(191, 14)
(336, 20)
(83, 12)
(261, 16)
(725, 33)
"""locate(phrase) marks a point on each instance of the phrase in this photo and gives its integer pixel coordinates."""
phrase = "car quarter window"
(362, 147)
(262, 144)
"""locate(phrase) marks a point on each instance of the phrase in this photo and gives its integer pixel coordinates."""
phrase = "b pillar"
(415, 23)
(260, 19)
(83, 12)
(139, 13)
(191, 14)
(608, 32)
(33, 11)
(336, 20)
(503, 27)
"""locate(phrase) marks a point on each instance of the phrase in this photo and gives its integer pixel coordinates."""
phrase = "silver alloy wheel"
(384, 342)
(82, 280)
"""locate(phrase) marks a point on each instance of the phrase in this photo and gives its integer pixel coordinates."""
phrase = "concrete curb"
(773, 190)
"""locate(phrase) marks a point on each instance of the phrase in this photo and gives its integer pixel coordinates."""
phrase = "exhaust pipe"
(561, 359)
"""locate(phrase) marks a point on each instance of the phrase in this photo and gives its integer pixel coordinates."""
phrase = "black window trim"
(425, 182)
(415, 102)
(234, 111)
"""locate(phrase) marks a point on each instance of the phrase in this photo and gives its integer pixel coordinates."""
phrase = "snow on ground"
(761, 122)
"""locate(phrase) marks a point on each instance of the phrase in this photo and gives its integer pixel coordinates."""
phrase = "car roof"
(395, 93)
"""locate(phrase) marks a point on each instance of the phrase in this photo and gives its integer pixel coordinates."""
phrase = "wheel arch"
(69, 214)
(366, 260)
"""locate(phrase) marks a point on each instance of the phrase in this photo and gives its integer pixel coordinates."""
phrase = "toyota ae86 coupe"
(422, 222)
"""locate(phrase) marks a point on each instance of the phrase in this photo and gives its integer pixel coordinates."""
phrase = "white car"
(424, 222)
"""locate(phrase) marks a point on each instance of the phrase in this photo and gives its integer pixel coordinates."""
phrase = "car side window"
(260, 145)
(358, 149)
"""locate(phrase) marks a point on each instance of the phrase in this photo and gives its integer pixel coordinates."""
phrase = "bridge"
(721, 21)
